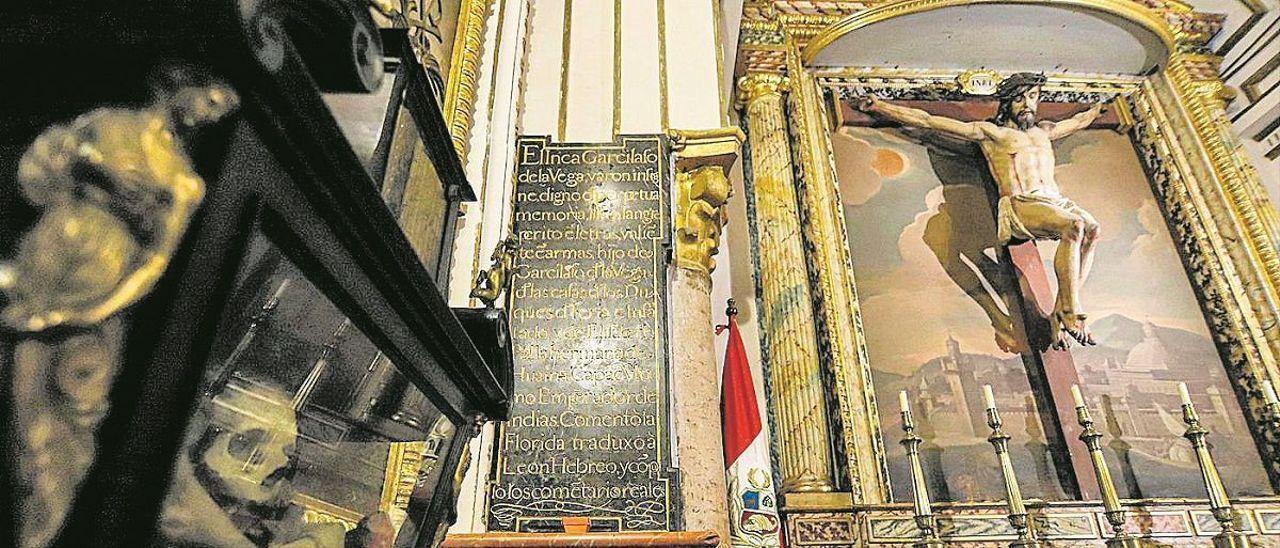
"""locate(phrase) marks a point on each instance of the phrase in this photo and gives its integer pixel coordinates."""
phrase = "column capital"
(1200, 72)
(759, 84)
(695, 148)
(703, 159)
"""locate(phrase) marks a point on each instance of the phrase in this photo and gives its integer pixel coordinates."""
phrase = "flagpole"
(754, 519)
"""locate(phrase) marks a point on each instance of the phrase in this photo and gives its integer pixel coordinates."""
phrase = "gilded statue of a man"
(1019, 151)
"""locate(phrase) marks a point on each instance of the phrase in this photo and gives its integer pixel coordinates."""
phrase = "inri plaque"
(588, 435)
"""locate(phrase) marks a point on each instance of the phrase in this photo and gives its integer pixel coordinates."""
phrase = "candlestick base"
(1231, 539)
(1124, 542)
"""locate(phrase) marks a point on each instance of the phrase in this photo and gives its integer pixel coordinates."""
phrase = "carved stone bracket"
(702, 160)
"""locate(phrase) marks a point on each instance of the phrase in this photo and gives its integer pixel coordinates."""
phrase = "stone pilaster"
(802, 431)
(702, 162)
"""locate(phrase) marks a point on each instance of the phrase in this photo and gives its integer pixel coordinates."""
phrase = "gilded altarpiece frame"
(1203, 228)
(1206, 229)
(1224, 228)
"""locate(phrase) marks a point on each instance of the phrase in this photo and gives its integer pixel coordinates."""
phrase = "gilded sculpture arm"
(1081, 120)
(969, 131)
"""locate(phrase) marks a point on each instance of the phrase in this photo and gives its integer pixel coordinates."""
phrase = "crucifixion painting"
(1018, 147)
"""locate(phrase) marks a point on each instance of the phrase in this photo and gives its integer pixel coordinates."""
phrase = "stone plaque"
(589, 434)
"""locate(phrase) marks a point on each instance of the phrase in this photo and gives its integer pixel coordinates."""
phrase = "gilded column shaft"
(1245, 206)
(1203, 94)
(837, 306)
(794, 368)
(464, 72)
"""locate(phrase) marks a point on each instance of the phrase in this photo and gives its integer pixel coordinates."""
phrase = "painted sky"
(909, 304)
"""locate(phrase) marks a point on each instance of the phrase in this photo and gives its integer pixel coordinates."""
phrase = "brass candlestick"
(1110, 501)
(925, 519)
(1013, 495)
(1219, 504)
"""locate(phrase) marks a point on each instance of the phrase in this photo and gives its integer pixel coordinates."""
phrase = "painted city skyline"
(932, 287)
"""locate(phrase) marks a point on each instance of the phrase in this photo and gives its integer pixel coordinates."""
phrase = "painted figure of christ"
(1018, 147)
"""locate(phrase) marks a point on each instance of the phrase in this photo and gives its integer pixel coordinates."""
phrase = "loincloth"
(1009, 228)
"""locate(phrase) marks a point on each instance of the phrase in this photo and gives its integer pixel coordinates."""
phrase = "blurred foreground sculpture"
(117, 189)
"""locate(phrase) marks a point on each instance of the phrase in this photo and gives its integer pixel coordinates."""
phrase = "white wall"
(584, 70)
(667, 68)
(1252, 66)
(488, 163)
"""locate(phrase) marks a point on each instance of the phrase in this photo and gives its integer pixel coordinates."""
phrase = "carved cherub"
(491, 283)
(700, 224)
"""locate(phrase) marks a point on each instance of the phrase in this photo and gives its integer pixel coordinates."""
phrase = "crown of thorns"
(1018, 83)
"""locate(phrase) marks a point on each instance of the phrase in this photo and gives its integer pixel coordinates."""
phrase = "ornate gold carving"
(978, 82)
(836, 301)
(423, 19)
(490, 283)
(787, 313)
(944, 85)
(464, 77)
(1207, 235)
(1176, 522)
(762, 85)
(315, 510)
(701, 193)
(808, 22)
(404, 461)
(117, 192)
(1201, 93)
(84, 261)
(1123, 8)
(762, 46)
(703, 159)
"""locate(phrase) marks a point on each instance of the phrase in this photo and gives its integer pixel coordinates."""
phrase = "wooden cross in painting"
(1035, 331)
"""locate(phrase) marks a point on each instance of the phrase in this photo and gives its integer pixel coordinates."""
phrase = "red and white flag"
(753, 506)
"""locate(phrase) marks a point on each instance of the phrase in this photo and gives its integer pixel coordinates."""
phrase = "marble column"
(797, 400)
(836, 304)
(702, 162)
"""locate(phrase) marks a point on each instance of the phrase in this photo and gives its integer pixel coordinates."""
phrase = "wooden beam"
(972, 111)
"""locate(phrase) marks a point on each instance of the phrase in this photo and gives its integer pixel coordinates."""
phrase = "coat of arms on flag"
(753, 506)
